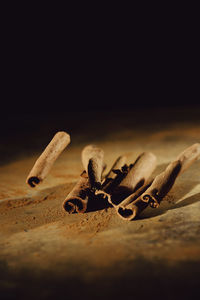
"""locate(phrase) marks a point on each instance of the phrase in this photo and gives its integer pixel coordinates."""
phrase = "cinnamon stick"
(46, 160)
(161, 185)
(134, 195)
(152, 194)
(77, 199)
(92, 159)
(135, 176)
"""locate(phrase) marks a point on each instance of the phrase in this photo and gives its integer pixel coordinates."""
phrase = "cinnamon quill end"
(127, 213)
(75, 204)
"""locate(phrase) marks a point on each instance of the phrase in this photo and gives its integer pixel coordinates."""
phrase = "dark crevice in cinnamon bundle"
(118, 168)
(116, 174)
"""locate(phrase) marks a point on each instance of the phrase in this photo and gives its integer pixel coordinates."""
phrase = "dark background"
(55, 71)
(57, 65)
(41, 81)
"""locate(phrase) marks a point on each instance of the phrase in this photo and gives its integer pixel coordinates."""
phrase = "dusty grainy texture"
(46, 253)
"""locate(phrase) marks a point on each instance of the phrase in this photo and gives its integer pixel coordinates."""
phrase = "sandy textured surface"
(46, 253)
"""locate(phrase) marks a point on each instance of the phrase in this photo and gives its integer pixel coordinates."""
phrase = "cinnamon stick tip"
(74, 204)
(126, 213)
(33, 181)
(63, 133)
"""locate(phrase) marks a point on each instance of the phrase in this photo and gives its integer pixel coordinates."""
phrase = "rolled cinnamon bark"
(92, 159)
(134, 177)
(46, 160)
(134, 195)
(160, 186)
(152, 194)
(77, 199)
(127, 209)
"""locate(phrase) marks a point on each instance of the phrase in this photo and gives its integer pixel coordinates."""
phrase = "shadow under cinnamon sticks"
(97, 202)
(165, 206)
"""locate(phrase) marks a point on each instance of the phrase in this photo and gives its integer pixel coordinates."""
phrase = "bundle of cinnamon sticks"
(129, 188)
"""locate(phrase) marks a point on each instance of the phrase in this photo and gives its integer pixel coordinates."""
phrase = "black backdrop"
(37, 91)
(54, 63)
(44, 72)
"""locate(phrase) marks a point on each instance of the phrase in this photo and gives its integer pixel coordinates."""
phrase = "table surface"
(46, 252)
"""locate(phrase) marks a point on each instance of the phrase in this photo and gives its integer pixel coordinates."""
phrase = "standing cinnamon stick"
(92, 159)
(77, 199)
(161, 185)
(46, 160)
